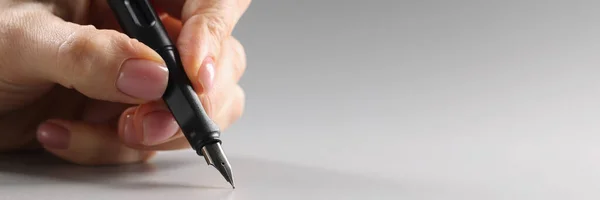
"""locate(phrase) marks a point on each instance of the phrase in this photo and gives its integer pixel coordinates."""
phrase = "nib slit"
(213, 153)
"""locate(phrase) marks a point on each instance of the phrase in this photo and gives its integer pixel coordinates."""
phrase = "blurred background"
(406, 99)
(463, 96)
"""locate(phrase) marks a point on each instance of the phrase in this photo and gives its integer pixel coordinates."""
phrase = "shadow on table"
(180, 173)
(45, 166)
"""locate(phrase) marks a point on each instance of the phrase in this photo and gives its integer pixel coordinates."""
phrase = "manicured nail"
(143, 79)
(206, 74)
(53, 136)
(159, 126)
(130, 136)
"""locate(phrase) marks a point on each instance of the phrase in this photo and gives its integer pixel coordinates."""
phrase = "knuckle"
(76, 53)
(240, 55)
(88, 50)
(214, 20)
(217, 26)
(230, 107)
(121, 44)
(207, 103)
(239, 104)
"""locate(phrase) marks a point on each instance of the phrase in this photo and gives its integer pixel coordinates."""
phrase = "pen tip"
(214, 156)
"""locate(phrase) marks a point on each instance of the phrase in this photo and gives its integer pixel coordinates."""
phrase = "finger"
(232, 109)
(232, 63)
(151, 126)
(205, 25)
(101, 64)
(87, 144)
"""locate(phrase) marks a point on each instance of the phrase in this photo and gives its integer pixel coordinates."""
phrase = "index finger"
(205, 24)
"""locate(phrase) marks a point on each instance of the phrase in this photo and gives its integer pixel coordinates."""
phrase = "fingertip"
(158, 127)
(54, 135)
(127, 131)
(147, 125)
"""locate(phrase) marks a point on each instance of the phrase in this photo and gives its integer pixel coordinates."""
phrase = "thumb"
(101, 64)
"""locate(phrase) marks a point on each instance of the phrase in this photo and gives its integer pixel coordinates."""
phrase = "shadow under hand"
(45, 167)
(185, 175)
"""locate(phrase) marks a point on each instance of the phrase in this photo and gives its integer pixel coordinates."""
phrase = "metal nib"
(213, 153)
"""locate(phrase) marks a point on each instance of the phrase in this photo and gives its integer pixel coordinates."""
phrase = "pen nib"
(213, 153)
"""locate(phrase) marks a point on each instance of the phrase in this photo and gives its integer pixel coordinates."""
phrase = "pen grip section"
(184, 103)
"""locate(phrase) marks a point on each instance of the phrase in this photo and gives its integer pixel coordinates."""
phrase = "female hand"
(71, 83)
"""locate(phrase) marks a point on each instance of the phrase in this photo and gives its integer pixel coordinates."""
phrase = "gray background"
(427, 99)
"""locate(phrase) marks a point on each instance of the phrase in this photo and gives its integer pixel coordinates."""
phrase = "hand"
(71, 83)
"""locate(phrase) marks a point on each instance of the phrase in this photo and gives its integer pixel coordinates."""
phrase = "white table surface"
(177, 175)
(383, 99)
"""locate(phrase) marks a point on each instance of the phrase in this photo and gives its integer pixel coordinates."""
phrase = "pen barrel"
(184, 103)
(138, 19)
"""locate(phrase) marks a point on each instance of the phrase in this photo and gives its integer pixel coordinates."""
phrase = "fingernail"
(207, 74)
(129, 133)
(159, 126)
(53, 136)
(143, 79)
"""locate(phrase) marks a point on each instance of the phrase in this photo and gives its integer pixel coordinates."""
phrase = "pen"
(138, 20)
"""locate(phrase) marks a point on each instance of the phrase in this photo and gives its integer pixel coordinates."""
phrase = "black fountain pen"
(138, 20)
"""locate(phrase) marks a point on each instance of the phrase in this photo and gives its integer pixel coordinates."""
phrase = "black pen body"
(138, 20)
(182, 100)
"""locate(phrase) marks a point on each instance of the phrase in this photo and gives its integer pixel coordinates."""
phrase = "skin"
(72, 84)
